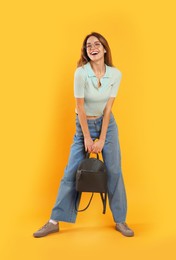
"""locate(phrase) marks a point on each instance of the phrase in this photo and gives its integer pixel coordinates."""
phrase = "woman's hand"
(97, 146)
(88, 142)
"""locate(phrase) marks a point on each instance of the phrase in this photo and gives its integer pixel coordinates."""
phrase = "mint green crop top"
(86, 86)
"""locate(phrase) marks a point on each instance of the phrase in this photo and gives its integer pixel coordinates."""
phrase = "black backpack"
(91, 176)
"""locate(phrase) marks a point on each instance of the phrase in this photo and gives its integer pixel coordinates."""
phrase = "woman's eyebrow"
(93, 42)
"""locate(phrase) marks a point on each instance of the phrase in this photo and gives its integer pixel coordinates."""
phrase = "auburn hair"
(85, 58)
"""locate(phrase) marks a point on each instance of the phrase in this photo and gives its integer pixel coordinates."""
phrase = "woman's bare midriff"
(92, 117)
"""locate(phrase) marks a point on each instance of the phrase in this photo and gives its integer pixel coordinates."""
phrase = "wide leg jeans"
(64, 208)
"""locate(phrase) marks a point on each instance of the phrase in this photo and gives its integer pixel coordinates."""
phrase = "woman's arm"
(88, 142)
(98, 146)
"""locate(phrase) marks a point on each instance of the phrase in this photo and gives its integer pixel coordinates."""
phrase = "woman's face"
(95, 49)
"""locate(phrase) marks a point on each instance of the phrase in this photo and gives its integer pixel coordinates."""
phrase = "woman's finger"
(89, 149)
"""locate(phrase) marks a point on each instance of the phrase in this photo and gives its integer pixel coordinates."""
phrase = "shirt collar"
(92, 74)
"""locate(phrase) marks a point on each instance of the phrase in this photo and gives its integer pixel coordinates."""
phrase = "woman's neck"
(98, 67)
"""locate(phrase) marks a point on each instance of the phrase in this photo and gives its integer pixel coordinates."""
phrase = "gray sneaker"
(46, 229)
(124, 229)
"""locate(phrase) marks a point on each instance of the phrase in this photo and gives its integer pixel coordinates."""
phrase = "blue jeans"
(64, 208)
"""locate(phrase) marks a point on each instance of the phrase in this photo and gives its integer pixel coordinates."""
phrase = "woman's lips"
(94, 53)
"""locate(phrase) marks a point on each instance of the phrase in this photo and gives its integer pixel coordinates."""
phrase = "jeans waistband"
(97, 120)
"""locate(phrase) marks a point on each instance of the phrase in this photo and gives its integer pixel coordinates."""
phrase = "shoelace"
(127, 226)
(45, 226)
(124, 224)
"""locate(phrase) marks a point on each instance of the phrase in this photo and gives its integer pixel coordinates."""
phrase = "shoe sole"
(38, 236)
(126, 235)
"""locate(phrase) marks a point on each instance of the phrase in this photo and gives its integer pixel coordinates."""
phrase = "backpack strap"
(78, 196)
(103, 198)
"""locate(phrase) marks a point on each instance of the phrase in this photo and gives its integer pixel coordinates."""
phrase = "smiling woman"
(98, 41)
(95, 48)
(96, 83)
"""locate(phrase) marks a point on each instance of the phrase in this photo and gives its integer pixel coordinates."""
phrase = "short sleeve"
(116, 83)
(79, 82)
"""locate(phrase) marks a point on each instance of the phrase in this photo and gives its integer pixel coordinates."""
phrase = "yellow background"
(40, 46)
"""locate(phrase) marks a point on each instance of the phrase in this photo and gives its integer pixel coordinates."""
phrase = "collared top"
(95, 97)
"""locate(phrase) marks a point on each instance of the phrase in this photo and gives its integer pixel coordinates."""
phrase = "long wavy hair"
(84, 57)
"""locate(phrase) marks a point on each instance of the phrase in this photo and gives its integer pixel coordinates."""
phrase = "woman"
(96, 83)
